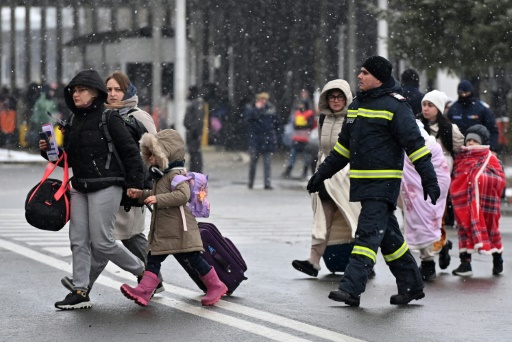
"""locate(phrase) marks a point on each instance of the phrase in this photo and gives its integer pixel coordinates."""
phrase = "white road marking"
(200, 311)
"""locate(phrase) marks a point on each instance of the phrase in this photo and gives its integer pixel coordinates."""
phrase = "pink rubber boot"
(142, 293)
(214, 288)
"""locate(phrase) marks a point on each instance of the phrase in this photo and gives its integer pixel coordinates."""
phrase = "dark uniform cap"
(379, 67)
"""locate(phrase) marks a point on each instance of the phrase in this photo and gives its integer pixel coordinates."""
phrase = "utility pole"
(156, 93)
(382, 32)
(12, 52)
(180, 67)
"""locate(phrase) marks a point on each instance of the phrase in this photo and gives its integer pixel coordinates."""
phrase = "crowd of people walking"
(388, 147)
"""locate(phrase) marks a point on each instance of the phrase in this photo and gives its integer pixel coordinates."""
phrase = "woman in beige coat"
(335, 218)
(169, 232)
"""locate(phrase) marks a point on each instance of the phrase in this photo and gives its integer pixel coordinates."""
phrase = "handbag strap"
(50, 167)
(65, 179)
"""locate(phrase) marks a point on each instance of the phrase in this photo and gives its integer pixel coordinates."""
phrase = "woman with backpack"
(97, 183)
(122, 97)
(334, 217)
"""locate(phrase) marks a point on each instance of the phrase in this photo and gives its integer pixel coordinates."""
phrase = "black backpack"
(136, 129)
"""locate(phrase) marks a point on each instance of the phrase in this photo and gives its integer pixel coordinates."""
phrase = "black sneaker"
(342, 296)
(305, 267)
(444, 255)
(159, 288)
(405, 298)
(497, 263)
(464, 269)
(67, 283)
(75, 300)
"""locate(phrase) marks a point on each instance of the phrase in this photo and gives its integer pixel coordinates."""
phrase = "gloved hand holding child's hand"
(315, 183)
(432, 190)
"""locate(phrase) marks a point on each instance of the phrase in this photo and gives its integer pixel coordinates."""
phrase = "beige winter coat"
(131, 223)
(344, 226)
(167, 233)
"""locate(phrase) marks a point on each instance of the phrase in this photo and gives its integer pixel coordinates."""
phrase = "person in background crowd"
(97, 185)
(194, 124)
(45, 103)
(500, 109)
(334, 216)
(410, 89)
(451, 140)
(378, 128)
(303, 99)
(303, 122)
(468, 111)
(8, 121)
(129, 226)
(477, 183)
(262, 121)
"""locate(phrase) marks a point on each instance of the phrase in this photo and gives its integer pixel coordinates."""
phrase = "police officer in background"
(378, 128)
(469, 110)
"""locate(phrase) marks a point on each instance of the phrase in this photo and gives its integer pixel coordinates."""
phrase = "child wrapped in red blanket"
(478, 181)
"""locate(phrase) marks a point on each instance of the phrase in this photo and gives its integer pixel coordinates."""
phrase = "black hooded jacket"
(87, 147)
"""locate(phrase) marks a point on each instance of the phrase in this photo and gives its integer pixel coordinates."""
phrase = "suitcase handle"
(219, 259)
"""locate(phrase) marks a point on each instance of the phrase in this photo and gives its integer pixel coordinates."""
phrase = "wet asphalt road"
(271, 228)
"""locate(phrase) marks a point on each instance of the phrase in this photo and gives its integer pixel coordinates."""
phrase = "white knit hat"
(438, 98)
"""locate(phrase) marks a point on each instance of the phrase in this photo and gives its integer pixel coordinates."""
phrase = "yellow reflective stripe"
(375, 114)
(419, 153)
(376, 173)
(342, 150)
(367, 252)
(352, 113)
(397, 254)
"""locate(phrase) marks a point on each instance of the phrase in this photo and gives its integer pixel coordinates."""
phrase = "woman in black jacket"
(97, 182)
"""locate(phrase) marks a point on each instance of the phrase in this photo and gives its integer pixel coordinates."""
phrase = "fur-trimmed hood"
(167, 146)
(323, 105)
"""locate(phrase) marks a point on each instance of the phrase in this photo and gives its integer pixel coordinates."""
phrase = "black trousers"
(378, 227)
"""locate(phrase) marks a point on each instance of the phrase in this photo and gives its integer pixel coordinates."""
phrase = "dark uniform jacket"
(471, 111)
(86, 145)
(378, 128)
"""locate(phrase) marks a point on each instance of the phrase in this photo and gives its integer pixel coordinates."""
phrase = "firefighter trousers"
(378, 227)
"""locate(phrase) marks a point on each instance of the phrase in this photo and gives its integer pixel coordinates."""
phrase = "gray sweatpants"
(137, 244)
(93, 216)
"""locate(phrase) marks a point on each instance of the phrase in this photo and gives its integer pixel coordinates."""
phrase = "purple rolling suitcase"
(222, 254)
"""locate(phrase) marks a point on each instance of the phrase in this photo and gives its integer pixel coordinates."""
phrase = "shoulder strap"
(105, 118)
(177, 180)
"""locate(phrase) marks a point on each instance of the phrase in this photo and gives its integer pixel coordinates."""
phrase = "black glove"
(431, 189)
(315, 183)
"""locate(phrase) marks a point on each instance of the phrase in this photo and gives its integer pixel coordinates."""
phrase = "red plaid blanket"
(477, 184)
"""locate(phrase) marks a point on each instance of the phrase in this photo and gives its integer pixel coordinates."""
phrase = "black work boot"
(464, 269)
(345, 297)
(428, 270)
(497, 263)
(444, 255)
(405, 298)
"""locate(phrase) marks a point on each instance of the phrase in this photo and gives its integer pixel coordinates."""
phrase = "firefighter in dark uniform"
(378, 128)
